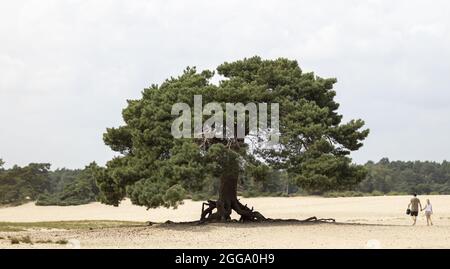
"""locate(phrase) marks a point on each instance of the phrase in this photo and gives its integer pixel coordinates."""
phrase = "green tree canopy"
(407, 177)
(155, 169)
(20, 184)
(71, 187)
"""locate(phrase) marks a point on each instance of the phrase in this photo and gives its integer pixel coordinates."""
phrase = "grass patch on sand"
(66, 225)
(18, 240)
(45, 241)
(27, 240)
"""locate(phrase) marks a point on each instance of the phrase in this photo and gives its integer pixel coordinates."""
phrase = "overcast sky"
(67, 66)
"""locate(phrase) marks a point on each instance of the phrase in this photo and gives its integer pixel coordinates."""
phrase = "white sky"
(67, 66)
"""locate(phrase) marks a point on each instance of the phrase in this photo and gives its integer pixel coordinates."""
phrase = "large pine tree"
(154, 169)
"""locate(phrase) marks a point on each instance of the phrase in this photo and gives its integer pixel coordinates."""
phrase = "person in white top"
(428, 212)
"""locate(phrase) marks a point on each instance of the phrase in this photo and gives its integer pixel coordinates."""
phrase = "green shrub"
(202, 197)
(250, 193)
(343, 194)
(377, 193)
(396, 193)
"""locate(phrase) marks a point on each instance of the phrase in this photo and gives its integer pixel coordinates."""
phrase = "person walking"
(428, 212)
(414, 207)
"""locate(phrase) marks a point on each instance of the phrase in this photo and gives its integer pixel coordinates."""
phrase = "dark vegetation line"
(36, 182)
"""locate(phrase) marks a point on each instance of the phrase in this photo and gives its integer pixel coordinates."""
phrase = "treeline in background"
(36, 182)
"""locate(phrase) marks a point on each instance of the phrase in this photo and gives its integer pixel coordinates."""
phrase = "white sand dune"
(379, 210)
(383, 217)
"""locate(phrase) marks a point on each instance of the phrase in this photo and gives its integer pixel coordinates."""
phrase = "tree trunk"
(228, 202)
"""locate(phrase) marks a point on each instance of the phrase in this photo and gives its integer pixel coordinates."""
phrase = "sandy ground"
(362, 222)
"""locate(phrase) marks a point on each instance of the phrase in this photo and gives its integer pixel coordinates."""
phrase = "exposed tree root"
(308, 220)
(222, 214)
(206, 213)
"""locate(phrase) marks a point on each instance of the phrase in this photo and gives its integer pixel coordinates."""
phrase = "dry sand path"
(364, 218)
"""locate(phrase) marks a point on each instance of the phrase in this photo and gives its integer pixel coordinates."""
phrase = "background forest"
(36, 182)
